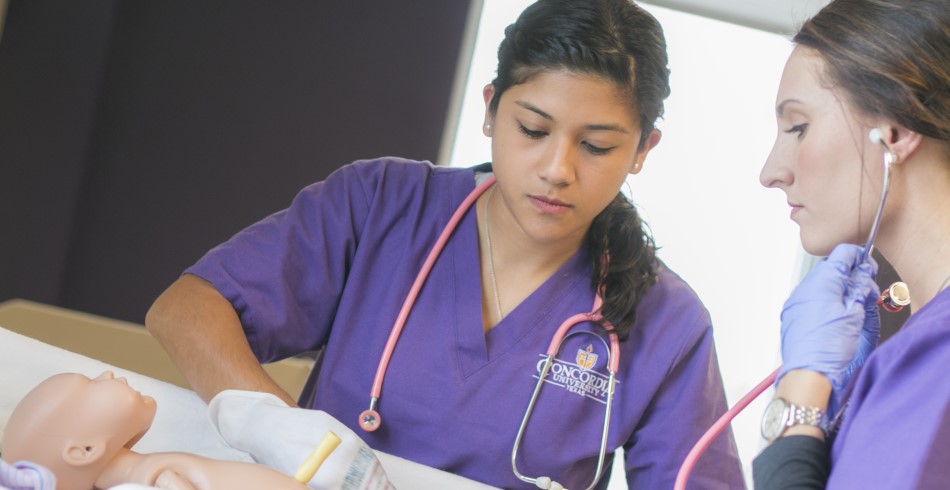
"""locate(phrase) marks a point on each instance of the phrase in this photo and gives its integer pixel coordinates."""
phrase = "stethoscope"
(892, 299)
(613, 361)
(370, 420)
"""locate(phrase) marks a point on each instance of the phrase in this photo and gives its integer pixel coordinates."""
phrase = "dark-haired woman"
(863, 67)
(570, 115)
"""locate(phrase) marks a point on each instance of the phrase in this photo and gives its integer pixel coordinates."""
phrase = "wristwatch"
(780, 414)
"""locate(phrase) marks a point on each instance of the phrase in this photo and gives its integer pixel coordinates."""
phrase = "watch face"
(773, 420)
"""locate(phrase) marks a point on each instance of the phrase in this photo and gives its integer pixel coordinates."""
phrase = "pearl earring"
(487, 127)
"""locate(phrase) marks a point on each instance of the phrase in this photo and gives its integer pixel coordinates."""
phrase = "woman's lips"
(795, 209)
(549, 205)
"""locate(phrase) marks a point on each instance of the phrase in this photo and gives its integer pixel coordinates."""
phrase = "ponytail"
(630, 268)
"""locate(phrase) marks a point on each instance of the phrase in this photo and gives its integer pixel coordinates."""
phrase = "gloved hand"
(830, 322)
(282, 437)
(870, 331)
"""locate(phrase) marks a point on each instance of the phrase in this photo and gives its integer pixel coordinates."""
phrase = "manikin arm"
(170, 480)
(202, 333)
(186, 471)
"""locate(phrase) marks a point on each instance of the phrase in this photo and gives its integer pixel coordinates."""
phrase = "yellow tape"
(316, 458)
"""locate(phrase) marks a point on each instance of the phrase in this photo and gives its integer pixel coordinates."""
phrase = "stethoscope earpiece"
(876, 136)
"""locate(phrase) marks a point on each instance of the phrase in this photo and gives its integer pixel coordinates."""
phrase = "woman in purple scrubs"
(858, 66)
(570, 115)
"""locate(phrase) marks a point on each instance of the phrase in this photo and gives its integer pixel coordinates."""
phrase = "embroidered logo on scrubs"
(578, 377)
(586, 358)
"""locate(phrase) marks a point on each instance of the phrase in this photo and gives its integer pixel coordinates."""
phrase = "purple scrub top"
(334, 269)
(895, 430)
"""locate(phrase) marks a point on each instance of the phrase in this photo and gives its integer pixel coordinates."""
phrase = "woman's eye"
(531, 134)
(798, 128)
(596, 150)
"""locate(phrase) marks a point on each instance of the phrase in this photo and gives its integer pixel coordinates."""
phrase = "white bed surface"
(181, 422)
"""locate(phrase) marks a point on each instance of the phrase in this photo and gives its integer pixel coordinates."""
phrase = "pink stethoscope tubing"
(370, 419)
(703, 443)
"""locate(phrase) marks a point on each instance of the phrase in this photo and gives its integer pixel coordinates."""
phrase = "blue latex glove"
(830, 322)
(871, 331)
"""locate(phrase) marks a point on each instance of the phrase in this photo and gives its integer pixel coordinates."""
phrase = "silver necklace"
(491, 255)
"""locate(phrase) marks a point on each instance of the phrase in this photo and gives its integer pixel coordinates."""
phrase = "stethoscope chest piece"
(895, 298)
(544, 482)
(369, 418)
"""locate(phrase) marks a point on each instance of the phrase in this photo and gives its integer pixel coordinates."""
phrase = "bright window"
(725, 234)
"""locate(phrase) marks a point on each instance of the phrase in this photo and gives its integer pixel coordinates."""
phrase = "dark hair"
(891, 58)
(621, 42)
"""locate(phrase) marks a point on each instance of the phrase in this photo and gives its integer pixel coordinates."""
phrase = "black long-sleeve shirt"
(793, 462)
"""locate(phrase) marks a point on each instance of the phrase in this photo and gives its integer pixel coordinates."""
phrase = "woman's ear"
(487, 93)
(902, 141)
(652, 140)
(83, 453)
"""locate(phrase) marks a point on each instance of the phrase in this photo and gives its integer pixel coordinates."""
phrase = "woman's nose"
(776, 172)
(558, 165)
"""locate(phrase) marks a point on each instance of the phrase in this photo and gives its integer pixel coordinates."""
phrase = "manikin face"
(131, 412)
(107, 405)
(562, 146)
(822, 159)
(74, 425)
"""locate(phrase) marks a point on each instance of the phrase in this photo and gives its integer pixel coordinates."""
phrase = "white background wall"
(727, 236)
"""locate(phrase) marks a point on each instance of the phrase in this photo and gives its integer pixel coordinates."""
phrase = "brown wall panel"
(205, 116)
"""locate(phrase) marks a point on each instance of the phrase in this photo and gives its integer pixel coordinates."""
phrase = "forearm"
(799, 457)
(203, 335)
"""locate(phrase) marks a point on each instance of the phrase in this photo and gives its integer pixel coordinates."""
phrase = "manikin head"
(75, 426)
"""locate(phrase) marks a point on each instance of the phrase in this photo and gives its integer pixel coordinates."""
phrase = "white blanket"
(181, 422)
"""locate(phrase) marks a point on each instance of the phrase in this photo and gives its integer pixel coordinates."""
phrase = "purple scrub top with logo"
(334, 268)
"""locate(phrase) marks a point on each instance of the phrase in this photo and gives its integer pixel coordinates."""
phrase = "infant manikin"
(83, 430)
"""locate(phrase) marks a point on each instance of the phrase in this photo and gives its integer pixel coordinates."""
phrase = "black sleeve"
(793, 462)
